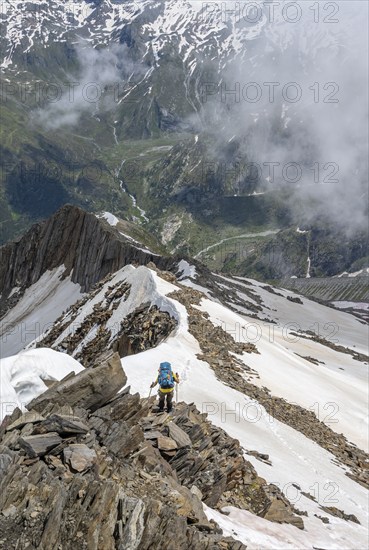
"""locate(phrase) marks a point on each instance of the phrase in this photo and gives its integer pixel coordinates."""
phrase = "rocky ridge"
(87, 467)
(147, 326)
(142, 329)
(88, 247)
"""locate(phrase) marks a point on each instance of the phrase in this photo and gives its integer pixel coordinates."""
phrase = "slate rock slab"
(31, 417)
(179, 436)
(166, 443)
(39, 445)
(89, 389)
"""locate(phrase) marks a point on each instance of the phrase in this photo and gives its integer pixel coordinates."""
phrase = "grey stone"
(39, 445)
(29, 417)
(279, 512)
(89, 389)
(79, 456)
(179, 436)
(62, 424)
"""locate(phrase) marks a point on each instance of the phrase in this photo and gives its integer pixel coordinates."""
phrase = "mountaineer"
(166, 379)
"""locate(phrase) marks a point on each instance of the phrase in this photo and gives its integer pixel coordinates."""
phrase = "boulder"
(79, 457)
(39, 445)
(166, 444)
(26, 418)
(280, 513)
(179, 436)
(89, 389)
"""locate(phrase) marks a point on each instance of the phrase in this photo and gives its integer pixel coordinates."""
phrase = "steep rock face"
(87, 246)
(355, 289)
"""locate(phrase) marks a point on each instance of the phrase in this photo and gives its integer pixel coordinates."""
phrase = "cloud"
(297, 101)
(104, 74)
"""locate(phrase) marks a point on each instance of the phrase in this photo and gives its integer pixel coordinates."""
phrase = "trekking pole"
(177, 387)
(150, 391)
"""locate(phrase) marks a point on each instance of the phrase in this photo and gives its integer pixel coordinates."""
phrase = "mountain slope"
(284, 375)
(90, 248)
(291, 451)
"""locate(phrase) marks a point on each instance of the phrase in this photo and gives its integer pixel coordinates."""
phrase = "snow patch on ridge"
(22, 375)
(110, 218)
(39, 307)
(144, 289)
(186, 269)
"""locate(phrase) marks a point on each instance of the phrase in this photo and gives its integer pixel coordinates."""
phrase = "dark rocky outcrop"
(140, 330)
(88, 247)
(143, 329)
